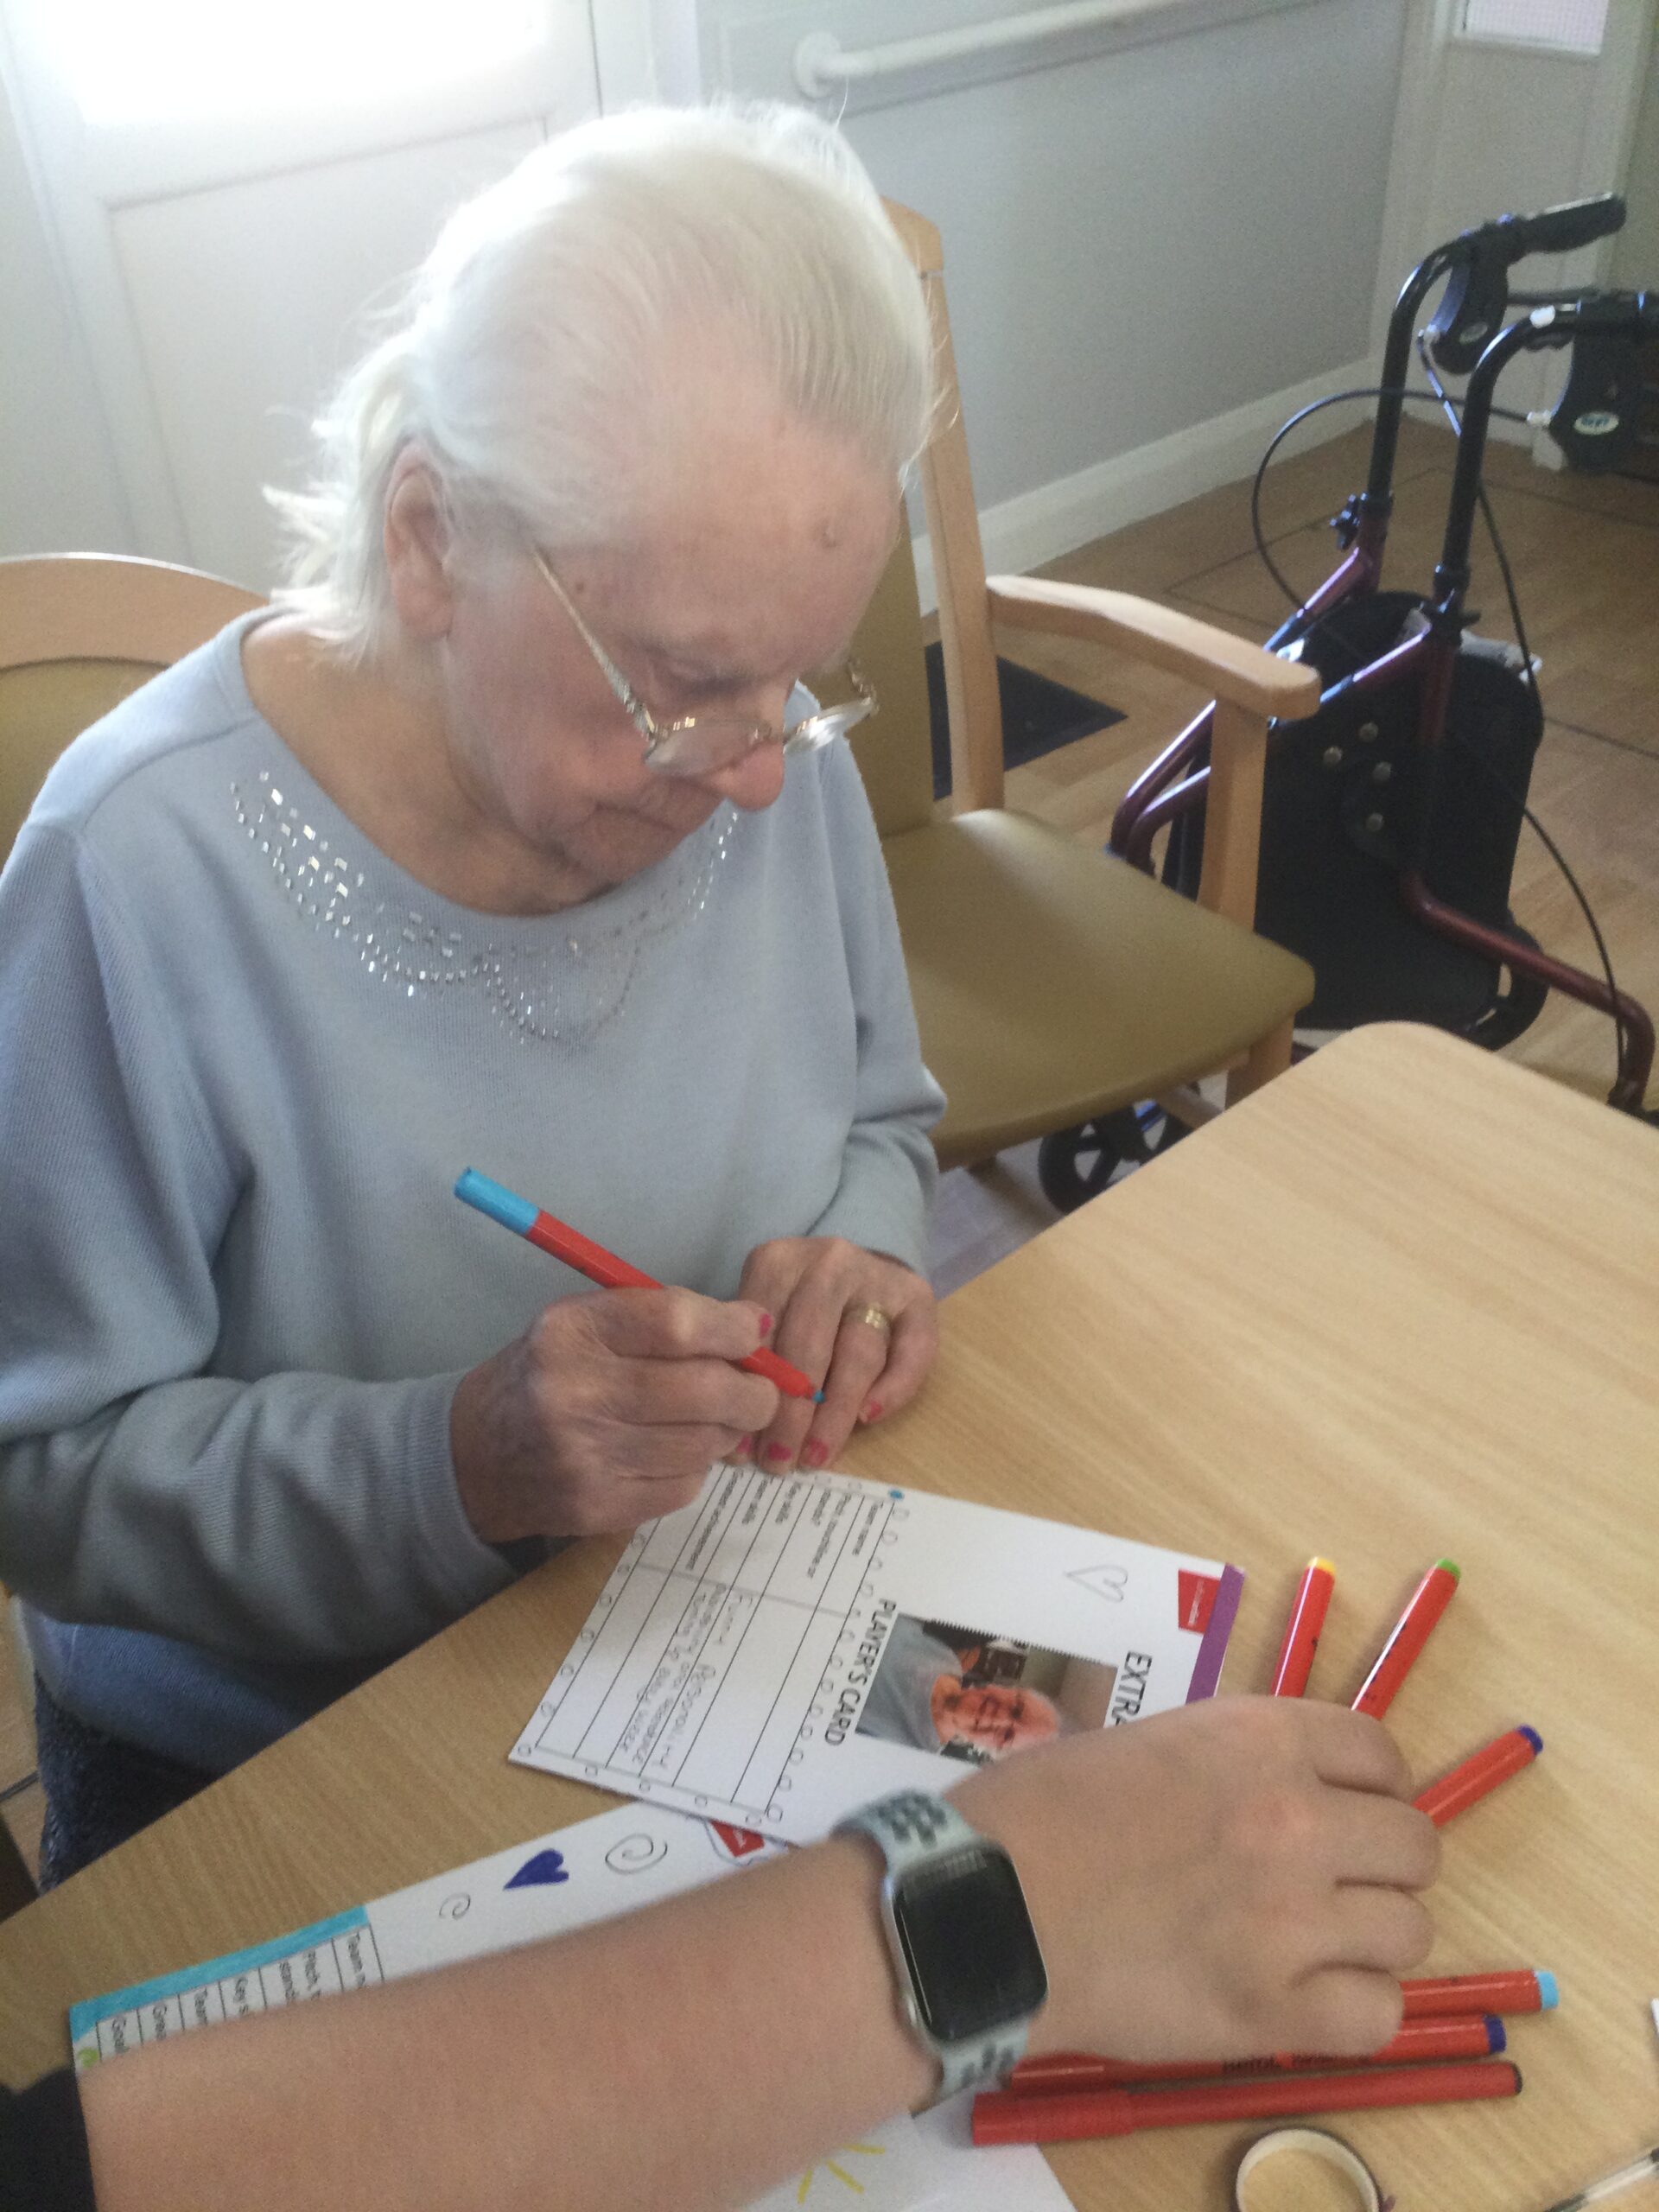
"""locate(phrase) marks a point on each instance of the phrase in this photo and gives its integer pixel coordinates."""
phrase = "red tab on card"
(1197, 1593)
(735, 1843)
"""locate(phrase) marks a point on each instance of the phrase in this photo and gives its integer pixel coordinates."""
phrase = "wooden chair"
(1054, 983)
(78, 632)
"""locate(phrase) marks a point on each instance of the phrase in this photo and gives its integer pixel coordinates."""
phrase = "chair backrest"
(78, 633)
(893, 751)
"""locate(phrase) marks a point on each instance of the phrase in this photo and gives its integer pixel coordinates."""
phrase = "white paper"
(569, 1880)
(890, 2170)
(788, 1648)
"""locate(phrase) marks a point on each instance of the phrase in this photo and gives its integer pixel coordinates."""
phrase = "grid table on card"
(750, 1589)
(317, 1962)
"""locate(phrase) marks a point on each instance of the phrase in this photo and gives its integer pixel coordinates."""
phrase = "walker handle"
(1477, 295)
(1560, 230)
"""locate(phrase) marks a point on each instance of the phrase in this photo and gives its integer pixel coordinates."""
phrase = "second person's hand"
(1229, 1880)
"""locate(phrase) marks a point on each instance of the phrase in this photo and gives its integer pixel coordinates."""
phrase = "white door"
(228, 191)
(1507, 106)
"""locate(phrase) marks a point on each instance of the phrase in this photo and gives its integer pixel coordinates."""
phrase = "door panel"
(248, 302)
(215, 269)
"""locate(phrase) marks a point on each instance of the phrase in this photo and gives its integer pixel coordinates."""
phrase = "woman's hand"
(829, 1297)
(607, 1412)
(1223, 1882)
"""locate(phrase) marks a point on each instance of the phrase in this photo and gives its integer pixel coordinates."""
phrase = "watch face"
(968, 1942)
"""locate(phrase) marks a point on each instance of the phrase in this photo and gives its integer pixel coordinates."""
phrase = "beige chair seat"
(1052, 987)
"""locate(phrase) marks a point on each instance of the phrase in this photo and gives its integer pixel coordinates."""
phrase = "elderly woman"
(508, 838)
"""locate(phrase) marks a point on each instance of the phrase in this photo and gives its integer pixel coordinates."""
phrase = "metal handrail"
(822, 68)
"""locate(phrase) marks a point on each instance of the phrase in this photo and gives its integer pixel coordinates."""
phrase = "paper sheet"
(788, 1648)
(567, 1879)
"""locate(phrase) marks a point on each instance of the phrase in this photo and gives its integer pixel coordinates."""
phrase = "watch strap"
(910, 1828)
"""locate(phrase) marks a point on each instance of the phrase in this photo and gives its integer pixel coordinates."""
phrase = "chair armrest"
(1230, 667)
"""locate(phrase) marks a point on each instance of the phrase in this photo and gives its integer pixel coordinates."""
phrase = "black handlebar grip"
(1558, 230)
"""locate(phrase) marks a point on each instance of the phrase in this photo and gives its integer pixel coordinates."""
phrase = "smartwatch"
(970, 1969)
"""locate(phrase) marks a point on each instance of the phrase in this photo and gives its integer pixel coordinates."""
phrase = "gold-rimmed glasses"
(697, 745)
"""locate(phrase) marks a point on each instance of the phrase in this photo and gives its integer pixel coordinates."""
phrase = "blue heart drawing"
(545, 1866)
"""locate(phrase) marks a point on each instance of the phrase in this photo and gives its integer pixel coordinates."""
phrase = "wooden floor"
(1585, 555)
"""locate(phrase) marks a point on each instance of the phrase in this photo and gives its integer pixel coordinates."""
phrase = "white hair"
(545, 320)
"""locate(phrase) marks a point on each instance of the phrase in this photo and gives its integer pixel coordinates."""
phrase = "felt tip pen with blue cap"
(579, 1252)
(1478, 1777)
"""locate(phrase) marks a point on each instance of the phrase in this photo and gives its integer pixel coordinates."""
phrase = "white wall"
(1636, 258)
(1152, 252)
(1139, 243)
(58, 487)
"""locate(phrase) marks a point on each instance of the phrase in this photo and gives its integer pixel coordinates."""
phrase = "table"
(1404, 1301)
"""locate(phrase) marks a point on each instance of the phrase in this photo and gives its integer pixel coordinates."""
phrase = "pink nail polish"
(775, 1452)
(815, 1454)
(872, 1411)
(744, 1448)
(766, 1324)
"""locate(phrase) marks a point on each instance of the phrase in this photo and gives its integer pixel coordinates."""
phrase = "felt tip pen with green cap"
(579, 1252)
(1395, 1661)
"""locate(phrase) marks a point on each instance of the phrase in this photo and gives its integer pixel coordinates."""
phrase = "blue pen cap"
(495, 1200)
(1549, 1995)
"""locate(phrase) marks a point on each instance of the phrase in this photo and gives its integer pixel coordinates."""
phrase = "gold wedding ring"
(872, 1317)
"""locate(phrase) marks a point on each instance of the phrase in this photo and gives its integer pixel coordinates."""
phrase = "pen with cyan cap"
(543, 1229)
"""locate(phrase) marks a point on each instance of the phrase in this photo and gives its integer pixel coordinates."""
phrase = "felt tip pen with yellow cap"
(542, 1229)
(1301, 1640)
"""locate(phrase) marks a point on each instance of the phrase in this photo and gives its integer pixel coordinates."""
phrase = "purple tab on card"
(1213, 1650)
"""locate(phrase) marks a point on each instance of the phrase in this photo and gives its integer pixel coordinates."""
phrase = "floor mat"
(1037, 715)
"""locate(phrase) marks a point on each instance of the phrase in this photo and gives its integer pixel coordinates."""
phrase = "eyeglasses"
(697, 745)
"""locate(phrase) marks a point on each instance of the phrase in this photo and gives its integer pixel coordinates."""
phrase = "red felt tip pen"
(1479, 1775)
(601, 1266)
(1006, 2116)
(1464, 2036)
(1398, 1655)
(1302, 1639)
(1512, 1989)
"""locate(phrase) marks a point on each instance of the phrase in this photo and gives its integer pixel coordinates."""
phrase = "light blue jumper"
(244, 1057)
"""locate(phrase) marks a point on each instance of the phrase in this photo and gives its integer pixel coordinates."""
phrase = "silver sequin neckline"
(562, 990)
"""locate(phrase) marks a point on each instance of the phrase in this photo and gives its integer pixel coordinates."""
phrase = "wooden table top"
(1402, 1302)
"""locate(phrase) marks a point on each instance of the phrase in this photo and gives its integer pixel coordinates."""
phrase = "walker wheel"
(1516, 1008)
(1076, 1165)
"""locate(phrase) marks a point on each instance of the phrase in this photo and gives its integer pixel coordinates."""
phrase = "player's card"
(788, 1648)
